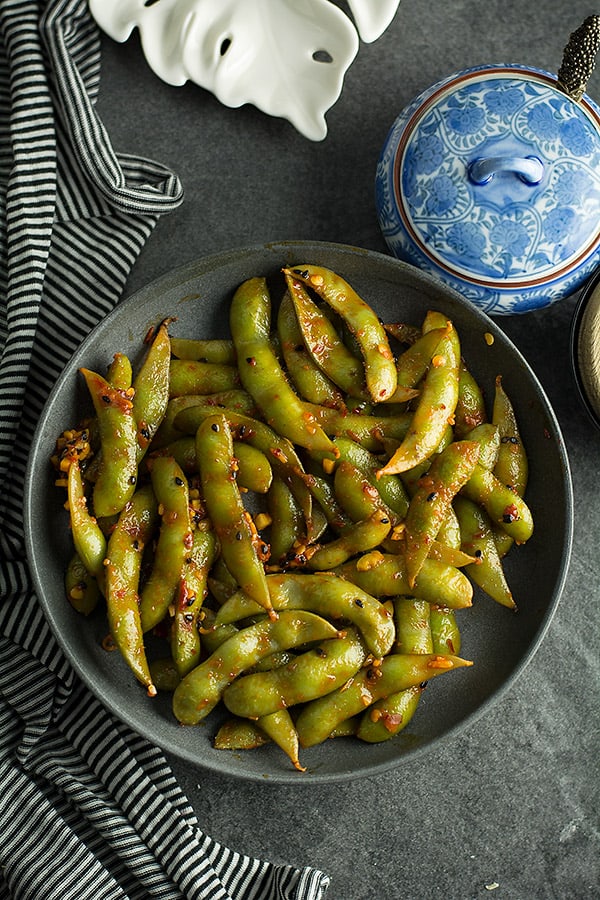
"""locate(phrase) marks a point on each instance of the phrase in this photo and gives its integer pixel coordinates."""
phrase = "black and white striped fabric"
(88, 810)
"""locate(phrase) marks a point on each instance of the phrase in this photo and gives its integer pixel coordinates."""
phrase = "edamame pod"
(174, 543)
(120, 372)
(192, 591)
(212, 350)
(124, 559)
(368, 430)
(470, 405)
(261, 373)
(435, 407)
(362, 322)
(445, 633)
(390, 487)
(240, 734)
(512, 465)
(81, 588)
(384, 575)
(355, 538)
(240, 543)
(279, 726)
(412, 364)
(478, 540)
(190, 376)
(151, 388)
(312, 674)
(88, 537)
(387, 717)
(324, 343)
(280, 452)
(397, 672)
(358, 496)
(504, 507)
(327, 595)
(309, 380)
(117, 472)
(202, 688)
(413, 626)
(432, 500)
(287, 522)
(254, 471)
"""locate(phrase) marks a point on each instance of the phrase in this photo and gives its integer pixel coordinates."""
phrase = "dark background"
(509, 807)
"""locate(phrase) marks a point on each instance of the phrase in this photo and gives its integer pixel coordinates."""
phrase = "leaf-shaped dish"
(498, 641)
(287, 57)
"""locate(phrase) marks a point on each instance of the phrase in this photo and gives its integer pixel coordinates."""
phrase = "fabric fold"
(88, 809)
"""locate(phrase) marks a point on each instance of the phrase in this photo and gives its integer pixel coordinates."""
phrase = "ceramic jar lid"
(491, 180)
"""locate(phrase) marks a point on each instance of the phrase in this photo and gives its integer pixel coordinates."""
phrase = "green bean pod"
(240, 543)
(324, 343)
(88, 537)
(151, 388)
(309, 380)
(237, 399)
(213, 350)
(362, 322)
(327, 595)
(397, 672)
(124, 559)
(202, 688)
(478, 539)
(387, 717)
(312, 674)
(355, 538)
(384, 575)
(445, 633)
(435, 407)
(174, 543)
(261, 373)
(192, 591)
(117, 473)
(82, 590)
(432, 500)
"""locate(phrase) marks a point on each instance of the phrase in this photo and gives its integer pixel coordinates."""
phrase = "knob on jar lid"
(490, 179)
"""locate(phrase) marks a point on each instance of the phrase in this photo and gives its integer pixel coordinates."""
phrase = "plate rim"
(203, 265)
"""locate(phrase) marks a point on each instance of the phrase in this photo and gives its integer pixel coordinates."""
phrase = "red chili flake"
(510, 514)
(251, 360)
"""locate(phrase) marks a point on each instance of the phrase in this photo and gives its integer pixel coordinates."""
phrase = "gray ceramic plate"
(499, 642)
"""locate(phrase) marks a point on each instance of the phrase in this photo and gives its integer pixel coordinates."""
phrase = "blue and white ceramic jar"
(491, 181)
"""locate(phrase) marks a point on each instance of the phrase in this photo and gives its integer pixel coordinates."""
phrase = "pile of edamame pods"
(296, 511)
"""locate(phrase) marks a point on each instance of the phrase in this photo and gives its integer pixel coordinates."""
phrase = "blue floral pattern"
(507, 245)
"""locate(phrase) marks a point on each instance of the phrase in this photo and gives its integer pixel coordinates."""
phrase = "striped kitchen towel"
(88, 810)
